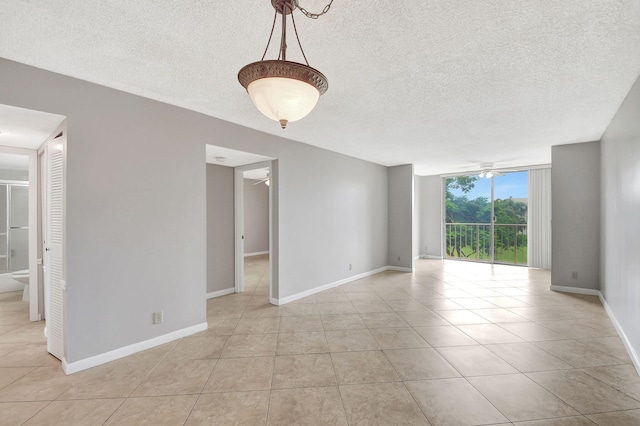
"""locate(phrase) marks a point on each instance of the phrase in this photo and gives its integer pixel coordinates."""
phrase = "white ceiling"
(256, 174)
(443, 84)
(231, 157)
(24, 128)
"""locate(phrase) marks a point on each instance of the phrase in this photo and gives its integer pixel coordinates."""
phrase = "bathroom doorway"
(18, 227)
(14, 223)
(23, 135)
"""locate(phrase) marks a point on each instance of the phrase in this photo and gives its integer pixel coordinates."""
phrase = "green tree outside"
(474, 241)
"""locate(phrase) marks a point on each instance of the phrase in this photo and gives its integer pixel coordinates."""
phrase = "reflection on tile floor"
(454, 343)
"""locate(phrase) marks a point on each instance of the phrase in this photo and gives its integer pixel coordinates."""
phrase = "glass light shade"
(282, 98)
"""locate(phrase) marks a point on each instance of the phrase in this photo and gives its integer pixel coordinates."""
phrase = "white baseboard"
(399, 269)
(257, 253)
(285, 300)
(221, 292)
(94, 361)
(431, 256)
(322, 288)
(623, 336)
(625, 340)
(576, 290)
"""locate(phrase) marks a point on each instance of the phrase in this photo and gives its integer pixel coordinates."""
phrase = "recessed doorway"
(248, 258)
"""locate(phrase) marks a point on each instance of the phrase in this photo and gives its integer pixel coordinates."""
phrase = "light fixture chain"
(275, 15)
(308, 14)
(298, 38)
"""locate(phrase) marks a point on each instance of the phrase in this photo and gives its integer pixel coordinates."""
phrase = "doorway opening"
(242, 223)
(254, 248)
(256, 196)
(25, 135)
(486, 218)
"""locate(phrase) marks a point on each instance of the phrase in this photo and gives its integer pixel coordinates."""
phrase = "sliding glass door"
(468, 218)
(486, 218)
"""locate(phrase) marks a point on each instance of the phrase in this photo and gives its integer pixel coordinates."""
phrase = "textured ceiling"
(443, 84)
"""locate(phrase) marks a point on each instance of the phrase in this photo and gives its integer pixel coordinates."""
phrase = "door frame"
(32, 154)
(238, 182)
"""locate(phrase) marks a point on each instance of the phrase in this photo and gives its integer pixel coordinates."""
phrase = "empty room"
(305, 212)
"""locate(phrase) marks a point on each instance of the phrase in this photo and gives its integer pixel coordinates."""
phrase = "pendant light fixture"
(282, 90)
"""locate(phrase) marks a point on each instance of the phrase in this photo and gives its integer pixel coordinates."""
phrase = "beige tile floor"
(455, 343)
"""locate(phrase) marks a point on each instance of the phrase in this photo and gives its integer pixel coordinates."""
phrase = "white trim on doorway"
(239, 224)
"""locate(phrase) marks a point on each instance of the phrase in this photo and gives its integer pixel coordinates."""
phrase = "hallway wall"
(431, 199)
(220, 228)
(401, 212)
(620, 209)
(256, 217)
(575, 215)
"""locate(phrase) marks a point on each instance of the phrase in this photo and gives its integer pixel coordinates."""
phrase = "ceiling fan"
(487, 171)
(266, 181)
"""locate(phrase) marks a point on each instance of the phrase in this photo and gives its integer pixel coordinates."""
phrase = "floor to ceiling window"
(486, 217)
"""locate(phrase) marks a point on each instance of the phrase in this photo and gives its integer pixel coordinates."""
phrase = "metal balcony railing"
(472, 241)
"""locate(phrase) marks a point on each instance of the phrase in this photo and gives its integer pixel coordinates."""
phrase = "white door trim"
(239, 224)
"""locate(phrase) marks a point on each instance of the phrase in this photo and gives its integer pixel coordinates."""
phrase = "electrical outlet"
(158, 317)
(398, 258)
(350, 266)
(574, 275)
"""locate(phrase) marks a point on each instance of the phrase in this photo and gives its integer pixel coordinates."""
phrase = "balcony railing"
(472, 241)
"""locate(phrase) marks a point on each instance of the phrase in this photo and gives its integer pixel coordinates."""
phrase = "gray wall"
(400, 187)
(136, 208)
(256, 217)
(620, 264)
(220, 228)
(417, 222)
(333, 212)
(575, 215)
(431, 199)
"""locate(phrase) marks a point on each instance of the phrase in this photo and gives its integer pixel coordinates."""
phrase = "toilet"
(23, 277)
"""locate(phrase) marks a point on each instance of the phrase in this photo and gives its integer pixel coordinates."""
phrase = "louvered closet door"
(54, 240)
